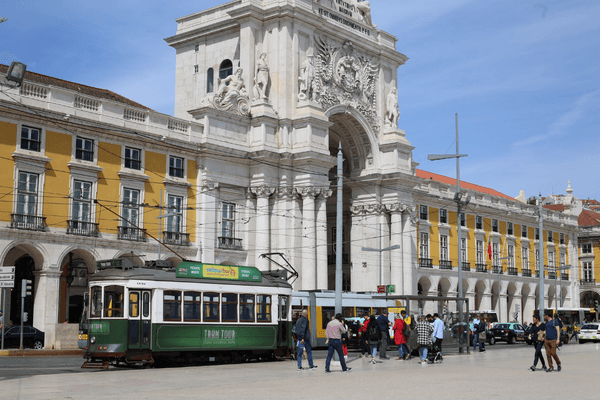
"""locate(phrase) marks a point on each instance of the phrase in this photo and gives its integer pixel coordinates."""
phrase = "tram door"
(139, 319)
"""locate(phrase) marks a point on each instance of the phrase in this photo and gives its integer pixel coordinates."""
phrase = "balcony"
(425, 263)
(228, 243)
(331, 259)
(82, 228)
(480, 267)
(176, 238)
(497, 269)
(28, 222)
(537, 273)
(588, 281)
(526, 272)
(513, 271)
(131, 233)
(445, 264)
(466, 266)
(564, 276)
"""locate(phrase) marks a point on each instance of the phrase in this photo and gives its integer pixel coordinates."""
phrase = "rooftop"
(463, 184)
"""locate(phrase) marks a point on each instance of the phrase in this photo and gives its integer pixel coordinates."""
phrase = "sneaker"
(301, 369)
(559, 368)
(347, 369)
(544, 368)
(313, 368)
(423, 362)
(550, 369)
(384, 358)
(373, 361)
(327, 370)
(532, 368)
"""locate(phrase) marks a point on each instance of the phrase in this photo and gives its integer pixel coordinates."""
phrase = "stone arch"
(174, 260)
(588, 296)
(17, 249)
(564, 294)
(480, 290)
(511, 301)
(425, 284)
(527, 303)
(76, 265)
(551, 303)
(138, 260)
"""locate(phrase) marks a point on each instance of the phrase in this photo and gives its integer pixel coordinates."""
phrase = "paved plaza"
(500, 373)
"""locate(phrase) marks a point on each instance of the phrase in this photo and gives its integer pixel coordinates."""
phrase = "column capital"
(374, 209)
(262, 191)
(397, 208)
(325, 194)
(309, 191)
(208, 185)
(287, 192)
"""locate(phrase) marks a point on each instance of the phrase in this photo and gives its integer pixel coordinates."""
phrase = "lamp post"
(499, 297)
(561, 268)
(459, 202)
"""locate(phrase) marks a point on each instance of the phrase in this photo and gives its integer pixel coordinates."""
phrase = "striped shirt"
(334, 330)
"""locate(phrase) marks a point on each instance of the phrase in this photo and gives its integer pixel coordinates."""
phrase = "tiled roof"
(463, 184)
(588, 218)
(83, 89)
(554, 207)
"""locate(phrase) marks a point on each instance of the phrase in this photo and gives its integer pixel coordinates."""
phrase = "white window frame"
(125, 205)
(181, 214)
(524, 231)
(443, 215)
(511, 255)
(587, 271)
(444, 248)
(125, 158)
(37, 205)
(563, 258)
(479, 254)
(463, 250)
(423, 211)
(524, 257)
(229, 221)
(183, 167)
(94, 150)
(424, 245)
(495, 254)
(478, 222)
(586, 248)
(42, 130)
(551, 259)
(537, 259)
(81, 202)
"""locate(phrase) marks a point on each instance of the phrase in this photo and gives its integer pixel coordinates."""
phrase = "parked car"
(508, 332)
(32, 337)
(589, 333)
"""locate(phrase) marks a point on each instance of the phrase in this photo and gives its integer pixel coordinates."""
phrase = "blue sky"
(522, 75)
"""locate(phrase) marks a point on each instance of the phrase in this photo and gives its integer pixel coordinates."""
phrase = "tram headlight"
(93, 340)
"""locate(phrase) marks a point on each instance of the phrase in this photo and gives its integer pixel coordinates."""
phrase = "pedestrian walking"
(362, 333)
(474, 327)
(384, 324)
(538, 331)
(438, 332)
(552, 340)
(333, 334)
(374, 337)
(409, 325)
(424, 331)
(345, 339)
(302, 329)
(399, 338)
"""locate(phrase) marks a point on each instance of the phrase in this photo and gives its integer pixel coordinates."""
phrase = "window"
(30, 138)
(423, 213)
(210, 80)
(176, 167)
(84, 149)
(509, 228)
(172, 306)
(537, 258)
(586, 248)
(225, 69)
(494, 225)
(195, 69)
(96, 302)
(263, 308)
(550, 236)
(229, 303)
(443, 248)
(443, 216)
(551, 259)
(146, 304)
(563, 259)
(523, 231)
(191, 306)
(463, 219)
(228, 222)
(246, 308)
(463, 249)
(82, 201)
(495, 254)
(197, 47)
(131, 206)
(524, 257)
(587, 272)
(511, 256)
(27, 193)
(113, 302)
(537, 233)
(479, 251)
(211, 307)
(133, 158)
(134, 304)
(479, 222)
(175, 206)
(561, 238)
(424, 246)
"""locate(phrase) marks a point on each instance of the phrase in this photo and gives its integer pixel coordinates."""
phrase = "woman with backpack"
(373, 337)
(399, 337)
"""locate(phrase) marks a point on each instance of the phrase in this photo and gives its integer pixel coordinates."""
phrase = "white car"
(589, 333)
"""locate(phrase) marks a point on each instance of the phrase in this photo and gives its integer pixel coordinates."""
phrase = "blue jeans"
(306, 346)
(423, 352)
(335, 344)
(538, 354)
(374, 349)
(475, 340)
(402, 350)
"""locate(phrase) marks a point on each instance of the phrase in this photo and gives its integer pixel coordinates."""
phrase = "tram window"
(211, 307)
(134, 304)
(172, 306)
(113, 300)
(246, 308)
(191, 306)
(96, 309)
(283, 307)
(145, 304)
(327, 314)
(263, 308)
(229, 307)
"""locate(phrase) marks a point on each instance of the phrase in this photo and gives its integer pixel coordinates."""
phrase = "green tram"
(194, 313)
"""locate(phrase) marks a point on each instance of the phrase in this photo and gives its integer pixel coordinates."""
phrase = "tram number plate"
(83, 337)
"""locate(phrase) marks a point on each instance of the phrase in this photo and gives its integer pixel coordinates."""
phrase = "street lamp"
(459, 201)
(16, 72)
(499, 297)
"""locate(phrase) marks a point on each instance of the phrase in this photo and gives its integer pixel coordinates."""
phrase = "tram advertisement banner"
(213, 271)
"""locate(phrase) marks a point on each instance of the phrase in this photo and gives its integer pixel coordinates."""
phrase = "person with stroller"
(424, 331)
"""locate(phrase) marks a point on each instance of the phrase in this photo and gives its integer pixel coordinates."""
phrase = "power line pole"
(339, 231)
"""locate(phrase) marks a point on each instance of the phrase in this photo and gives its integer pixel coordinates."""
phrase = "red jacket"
(363, 328)
(398, 335)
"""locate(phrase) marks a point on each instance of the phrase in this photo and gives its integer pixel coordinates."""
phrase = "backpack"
(560, 323)
(406, 330)
(481, 327)
(373, 333)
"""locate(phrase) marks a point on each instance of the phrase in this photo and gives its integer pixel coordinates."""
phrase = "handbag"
(541, 336)
(482, 336)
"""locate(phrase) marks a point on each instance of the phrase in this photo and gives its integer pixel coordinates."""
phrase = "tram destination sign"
(213, 271)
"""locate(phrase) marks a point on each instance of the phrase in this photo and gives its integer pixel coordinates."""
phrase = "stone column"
(396, 270)
(249, 226)
(321, 244)
(309, 267)
(208, 218)
(47, 300)
(263, 244)
(410, 252)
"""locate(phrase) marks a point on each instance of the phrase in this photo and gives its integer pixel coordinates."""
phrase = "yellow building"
(589, 254)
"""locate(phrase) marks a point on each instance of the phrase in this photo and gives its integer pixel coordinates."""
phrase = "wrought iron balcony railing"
(588, 281)
(551, 275)
(564, 276)
(526, 272)
(425, 263)
(28, 222)
(481, 267)
(176, 238)
(466, 266)
(513, 271)
(445, 264)
(228, 243)
(132, 233)
(82, 228)
(497, 269)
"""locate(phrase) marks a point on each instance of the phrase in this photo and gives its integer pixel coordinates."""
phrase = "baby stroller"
(434, 354)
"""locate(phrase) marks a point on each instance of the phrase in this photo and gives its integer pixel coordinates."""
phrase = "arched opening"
(479, 291)
(587, 298)
(76, 266)
(225, 69)
(514, 314)
(24, 267)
